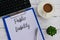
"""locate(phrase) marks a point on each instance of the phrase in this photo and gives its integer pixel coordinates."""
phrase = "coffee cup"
(45, 9)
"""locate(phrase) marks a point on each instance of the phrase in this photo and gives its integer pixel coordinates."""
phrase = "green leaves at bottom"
(51, 30)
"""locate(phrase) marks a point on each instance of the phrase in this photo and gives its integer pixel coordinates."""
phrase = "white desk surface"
(42, 21)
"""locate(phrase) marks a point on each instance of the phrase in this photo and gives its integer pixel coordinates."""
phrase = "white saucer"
(42, 13)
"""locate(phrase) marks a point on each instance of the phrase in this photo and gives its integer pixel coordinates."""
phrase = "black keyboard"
(9, 6)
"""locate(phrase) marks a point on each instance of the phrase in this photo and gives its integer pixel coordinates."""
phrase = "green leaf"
(51, 30)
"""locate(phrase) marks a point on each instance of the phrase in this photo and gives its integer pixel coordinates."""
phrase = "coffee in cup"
(47, 8)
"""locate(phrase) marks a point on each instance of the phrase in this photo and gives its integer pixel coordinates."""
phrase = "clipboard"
(20, 26)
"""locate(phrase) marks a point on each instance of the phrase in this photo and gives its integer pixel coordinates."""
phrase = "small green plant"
(51, 30)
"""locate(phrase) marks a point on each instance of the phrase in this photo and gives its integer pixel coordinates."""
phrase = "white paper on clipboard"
(22, 26)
